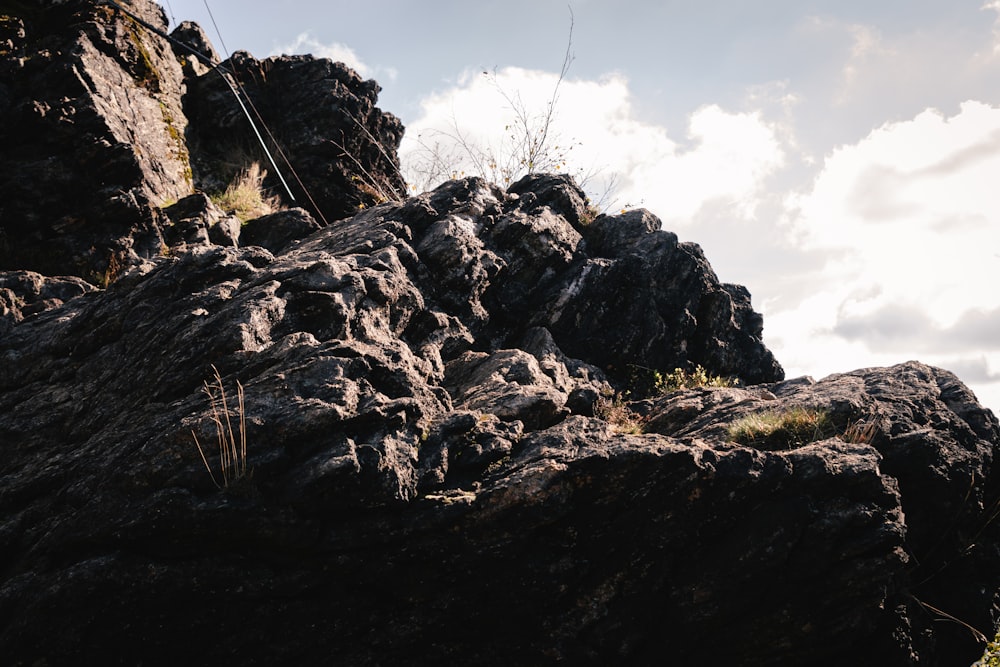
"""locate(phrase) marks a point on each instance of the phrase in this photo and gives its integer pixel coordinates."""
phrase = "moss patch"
(145, 73)
(180, 145)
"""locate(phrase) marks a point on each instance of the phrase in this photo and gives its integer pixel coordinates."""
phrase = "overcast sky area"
(839, 159)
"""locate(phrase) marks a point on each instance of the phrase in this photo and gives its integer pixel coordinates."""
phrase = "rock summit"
(364, 428)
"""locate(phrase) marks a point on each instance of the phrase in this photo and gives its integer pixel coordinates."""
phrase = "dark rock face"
(643, 295)
(936, 446)
(97, 137)
(342, 147)
(277, 231)
(195, 220)
(93, 138)
(418, 459)
(426, 482)
(617, 292)
(193, 48)
(25, 293)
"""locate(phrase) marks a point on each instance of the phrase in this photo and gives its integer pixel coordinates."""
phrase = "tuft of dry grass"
(232, 448)
(615, 411)
(781, 429)
(861, 432)
(245, 196)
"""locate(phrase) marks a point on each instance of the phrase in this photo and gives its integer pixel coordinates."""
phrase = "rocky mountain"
(372, 429)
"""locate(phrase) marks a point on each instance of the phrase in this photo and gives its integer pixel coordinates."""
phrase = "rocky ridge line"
(430, 476)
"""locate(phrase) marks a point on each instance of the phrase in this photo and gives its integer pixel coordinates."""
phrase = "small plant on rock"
(682, 379)
(245, 196)
(991, 658)
(781, 429)
(232, 445)
(590, 214)
(649, 382)
(614, 409)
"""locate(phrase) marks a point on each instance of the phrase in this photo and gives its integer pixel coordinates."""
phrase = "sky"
(836, 158)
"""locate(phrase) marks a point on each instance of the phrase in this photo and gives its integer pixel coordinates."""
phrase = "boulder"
(195, 220)
(340, 145)
(509, 384)
(26, 293)
(388, 432)
(277, 231)
(932, 439)
(93, 135)
(193, 49)
(426, 481)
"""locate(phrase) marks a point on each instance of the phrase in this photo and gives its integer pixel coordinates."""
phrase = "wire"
(217, 31)
(260, 119)
(267, 130)
(173, 19)
(225, 73)
(284, 157)
(260, 139)
(221, 71)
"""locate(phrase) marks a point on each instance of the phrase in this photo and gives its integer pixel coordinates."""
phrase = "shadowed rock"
(437, 469)
(93, 136)
(25, 293)
(97, 138)
(341, 146)
(419, 465)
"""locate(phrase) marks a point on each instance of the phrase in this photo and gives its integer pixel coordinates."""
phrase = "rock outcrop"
(25, 293)
(423, 455)
(341, 146)
(93, 136)
(105, 122)
(426, 479)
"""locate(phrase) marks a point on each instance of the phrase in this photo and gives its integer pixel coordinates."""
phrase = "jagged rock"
(641, 294)
(509, 384)
(931, 438)
(194, 49)
(436, 470)
(341, 146)
(560, 194)
(277, 231)
(460, 448)
(95, 111)
(93, 136)
(25, 293)
(195, 220)
(424, 467)
(637, 298)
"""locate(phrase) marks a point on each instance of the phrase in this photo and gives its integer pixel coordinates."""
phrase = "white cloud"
(995, 6)
(912, 209)
(482, 116)
(724, 157)
(892, 251)
(306, 43)
(909, 220)
(730, 156)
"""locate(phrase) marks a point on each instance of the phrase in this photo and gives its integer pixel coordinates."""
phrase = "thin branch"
(980, 637)
(526, 147)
